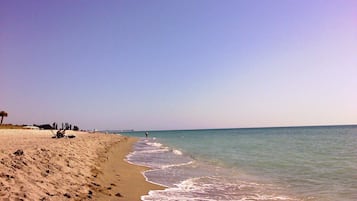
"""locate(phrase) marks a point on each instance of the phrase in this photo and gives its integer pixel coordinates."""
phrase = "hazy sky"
(179, 64)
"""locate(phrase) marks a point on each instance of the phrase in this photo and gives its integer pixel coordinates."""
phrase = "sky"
(156, 65)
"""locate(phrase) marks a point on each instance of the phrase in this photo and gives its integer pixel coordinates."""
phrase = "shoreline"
(119, 179)
(33, 166)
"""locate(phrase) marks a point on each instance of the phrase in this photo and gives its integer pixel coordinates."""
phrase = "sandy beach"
(33, 166)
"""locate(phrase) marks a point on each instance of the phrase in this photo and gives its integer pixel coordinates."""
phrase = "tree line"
(64, 126)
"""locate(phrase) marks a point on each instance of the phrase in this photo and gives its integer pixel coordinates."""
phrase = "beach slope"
(33, 166)
(119, 180)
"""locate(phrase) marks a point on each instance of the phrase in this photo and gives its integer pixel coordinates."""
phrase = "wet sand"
(126, 182)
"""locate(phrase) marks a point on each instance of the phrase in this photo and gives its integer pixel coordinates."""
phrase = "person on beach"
(60, 133)
(146, 134)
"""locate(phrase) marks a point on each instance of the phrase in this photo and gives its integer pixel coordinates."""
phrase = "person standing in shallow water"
(146, 134)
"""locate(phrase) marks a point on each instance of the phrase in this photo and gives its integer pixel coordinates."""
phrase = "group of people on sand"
(62, 133)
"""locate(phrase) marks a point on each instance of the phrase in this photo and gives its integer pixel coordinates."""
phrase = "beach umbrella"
(2, 115)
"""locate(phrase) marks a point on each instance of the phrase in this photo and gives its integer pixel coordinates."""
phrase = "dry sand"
(88, 167)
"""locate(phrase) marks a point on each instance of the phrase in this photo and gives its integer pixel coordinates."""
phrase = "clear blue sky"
(179, 64)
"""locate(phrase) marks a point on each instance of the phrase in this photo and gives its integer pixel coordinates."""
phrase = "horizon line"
(258, 127)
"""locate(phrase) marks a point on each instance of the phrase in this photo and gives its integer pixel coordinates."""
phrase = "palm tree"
(2, 115)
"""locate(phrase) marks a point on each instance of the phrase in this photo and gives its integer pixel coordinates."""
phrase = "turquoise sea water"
(300, 163)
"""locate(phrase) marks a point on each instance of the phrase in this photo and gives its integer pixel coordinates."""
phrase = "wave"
(177, 165)
(177, 152)
(186, 178)
(212, 188)
(154, 144)
(153, 154)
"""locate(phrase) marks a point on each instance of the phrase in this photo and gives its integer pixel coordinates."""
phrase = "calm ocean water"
(300, 163)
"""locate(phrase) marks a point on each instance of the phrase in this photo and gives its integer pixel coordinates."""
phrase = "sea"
(264, 164)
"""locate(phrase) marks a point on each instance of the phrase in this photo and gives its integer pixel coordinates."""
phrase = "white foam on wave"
(213, 188)
(180, 192)
(164, 149)
(154, 144)
(128, 158)
(176, 165)
(258, 197)
(147, 179)
(132, 154)
(177, 152)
